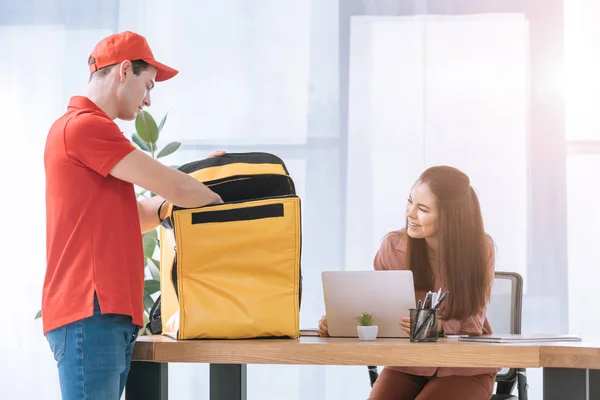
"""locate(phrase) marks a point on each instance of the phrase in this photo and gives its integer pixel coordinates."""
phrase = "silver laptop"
(387, 294)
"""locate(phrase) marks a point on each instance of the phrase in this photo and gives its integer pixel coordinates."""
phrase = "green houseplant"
(146, 138)
(367, 330)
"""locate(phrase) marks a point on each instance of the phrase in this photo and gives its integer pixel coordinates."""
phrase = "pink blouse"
(391, 256)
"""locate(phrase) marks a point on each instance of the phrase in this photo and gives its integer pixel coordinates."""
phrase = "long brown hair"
(462, 244)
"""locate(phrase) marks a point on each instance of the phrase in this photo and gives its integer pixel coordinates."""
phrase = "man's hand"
(148, 212)
(163, 210)
(217, 153)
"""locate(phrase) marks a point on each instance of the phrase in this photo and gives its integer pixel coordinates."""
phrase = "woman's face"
(421, 213)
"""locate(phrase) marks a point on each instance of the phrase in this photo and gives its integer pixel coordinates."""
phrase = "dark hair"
(137, 66)
(462, 244)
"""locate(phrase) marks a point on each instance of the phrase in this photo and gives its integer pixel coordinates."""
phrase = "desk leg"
(594, 383)
(227, 381)
(572, 384)
(147, 381)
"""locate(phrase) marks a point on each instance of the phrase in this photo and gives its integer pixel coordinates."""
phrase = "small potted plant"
(366, 328)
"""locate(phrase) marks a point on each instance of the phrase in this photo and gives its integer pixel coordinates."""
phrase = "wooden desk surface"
(336, 351)
(311, 350)
(584, 354)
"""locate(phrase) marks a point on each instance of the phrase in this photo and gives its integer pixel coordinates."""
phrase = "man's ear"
(125, 70)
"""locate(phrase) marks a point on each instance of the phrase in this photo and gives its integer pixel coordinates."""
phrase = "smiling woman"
(445, 246)
(444, 221)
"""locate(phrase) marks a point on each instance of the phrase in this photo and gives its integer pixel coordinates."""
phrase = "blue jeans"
(94, 355)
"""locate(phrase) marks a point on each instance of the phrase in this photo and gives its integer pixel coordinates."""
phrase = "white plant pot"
(367, 332)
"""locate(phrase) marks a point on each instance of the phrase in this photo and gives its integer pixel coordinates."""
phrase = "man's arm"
(148, 212)
(172, 185)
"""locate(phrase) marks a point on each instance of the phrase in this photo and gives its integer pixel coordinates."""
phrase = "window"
(583, 157)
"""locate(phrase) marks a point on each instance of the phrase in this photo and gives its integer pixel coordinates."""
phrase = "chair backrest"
(505, 308)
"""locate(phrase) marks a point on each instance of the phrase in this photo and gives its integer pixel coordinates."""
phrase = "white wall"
(437, 90)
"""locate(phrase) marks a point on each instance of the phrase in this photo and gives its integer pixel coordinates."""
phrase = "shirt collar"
(82, 102)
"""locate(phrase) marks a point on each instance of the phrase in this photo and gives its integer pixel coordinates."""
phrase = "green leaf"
(149, 245)
(153, 234)
(38, 315)
(168, 149)
(151, 286)
(146, 127)
(366, 319)
(155, 262)
(162, 122)
(141, 144)
(154, 267)
(148, 302)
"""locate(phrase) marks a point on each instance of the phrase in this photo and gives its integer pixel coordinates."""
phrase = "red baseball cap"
(127, 45)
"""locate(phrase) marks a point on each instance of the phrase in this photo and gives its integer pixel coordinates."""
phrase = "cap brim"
(163, 72)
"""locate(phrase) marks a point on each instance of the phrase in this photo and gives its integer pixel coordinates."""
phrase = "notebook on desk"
(525, 338)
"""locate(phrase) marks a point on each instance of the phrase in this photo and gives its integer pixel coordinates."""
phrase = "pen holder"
(424, 325)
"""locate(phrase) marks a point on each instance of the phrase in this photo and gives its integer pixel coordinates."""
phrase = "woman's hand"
(323, 331)
(405, 324)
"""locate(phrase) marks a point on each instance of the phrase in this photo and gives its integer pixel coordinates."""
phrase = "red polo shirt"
(93, 235)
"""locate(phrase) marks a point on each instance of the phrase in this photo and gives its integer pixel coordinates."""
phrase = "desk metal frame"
(149, 381)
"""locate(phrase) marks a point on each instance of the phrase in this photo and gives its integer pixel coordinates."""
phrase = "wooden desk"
(566, 366)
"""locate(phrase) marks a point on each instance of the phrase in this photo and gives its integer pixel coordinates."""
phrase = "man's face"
(133, 92)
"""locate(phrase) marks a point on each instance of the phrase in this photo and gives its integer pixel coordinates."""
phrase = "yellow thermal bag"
(232, 270)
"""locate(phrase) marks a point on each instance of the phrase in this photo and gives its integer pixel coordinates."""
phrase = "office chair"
(504, 314)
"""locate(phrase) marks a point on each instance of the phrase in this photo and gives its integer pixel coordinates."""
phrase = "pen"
(426, 305)
(418, 312)
(427, 302)
(442, 298)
